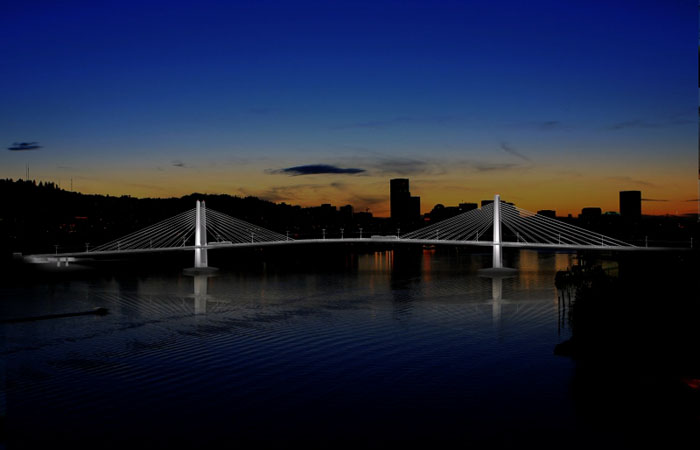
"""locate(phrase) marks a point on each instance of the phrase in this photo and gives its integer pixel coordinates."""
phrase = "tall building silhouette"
(631, 204)
(404, 207)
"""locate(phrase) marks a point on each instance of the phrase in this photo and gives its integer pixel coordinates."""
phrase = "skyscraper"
(404, 207)
(631, 204)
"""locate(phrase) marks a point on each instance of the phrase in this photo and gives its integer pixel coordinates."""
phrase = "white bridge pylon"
(497, 225)
(201, 223)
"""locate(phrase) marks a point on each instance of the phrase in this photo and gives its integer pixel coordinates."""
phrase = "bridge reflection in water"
(423, 268)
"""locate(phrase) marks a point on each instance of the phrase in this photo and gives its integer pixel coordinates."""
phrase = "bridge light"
(323, 230)
(287, 234)
(341, 233)
(398, 233)
(360, 233)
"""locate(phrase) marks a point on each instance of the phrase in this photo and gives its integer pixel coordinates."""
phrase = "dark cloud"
(514, 152)
(693, 200)
(23, 146)
(654, 200)
(178, 163)
(315, 169)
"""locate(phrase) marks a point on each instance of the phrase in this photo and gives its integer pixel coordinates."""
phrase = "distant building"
(442, 212)
(488, 202)
(404, 207)
(345, 213)
(591, 213)
(547, 213)
(631, 204)
(464, 207)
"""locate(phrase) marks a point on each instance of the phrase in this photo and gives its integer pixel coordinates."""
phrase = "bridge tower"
(497, 268)
(200, 237)
(497, 250)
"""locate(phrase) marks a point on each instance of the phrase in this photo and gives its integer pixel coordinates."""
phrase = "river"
(374, 349)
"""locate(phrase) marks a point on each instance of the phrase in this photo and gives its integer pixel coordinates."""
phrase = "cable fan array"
(173, 232)
(532, 228)
(223, 228)
(475, 225)
(469, 226)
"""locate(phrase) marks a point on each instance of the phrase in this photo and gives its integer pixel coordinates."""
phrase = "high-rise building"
(404, 207)
(399, 193)
(631, 204)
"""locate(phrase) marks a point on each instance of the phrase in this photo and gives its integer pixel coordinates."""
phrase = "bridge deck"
(384, 240)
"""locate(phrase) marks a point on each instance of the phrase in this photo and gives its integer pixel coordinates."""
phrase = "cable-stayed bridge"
(495, 225)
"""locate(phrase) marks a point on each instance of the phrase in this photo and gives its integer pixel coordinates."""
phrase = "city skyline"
(552, 106)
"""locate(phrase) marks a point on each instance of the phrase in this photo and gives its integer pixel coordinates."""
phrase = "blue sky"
(158, 98)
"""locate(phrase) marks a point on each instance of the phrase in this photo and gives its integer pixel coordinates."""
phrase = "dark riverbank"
(634, 339)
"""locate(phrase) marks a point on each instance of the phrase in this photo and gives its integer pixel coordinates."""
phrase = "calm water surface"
(386, 349)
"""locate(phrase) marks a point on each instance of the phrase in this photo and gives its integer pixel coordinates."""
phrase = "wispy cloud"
(293, 193)
(631, 180)
(640, 123)
(509, 149)
(316, 169)
(178, 163)
(404, 166)
(549, 124)
(654, 200)
(483, 166)
(24, 146)
(394, 121)
(382, 123)
(692, 200)
(433, 167)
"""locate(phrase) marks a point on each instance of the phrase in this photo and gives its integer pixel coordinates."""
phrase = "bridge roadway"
(374, 240)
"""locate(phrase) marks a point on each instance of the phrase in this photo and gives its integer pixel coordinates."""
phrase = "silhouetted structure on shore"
(405, 209)
(39, 217)
(631, 204)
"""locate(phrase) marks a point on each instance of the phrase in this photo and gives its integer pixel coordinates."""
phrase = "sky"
(554, 105)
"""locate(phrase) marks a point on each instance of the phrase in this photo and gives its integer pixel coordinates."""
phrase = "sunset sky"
(552, 104)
